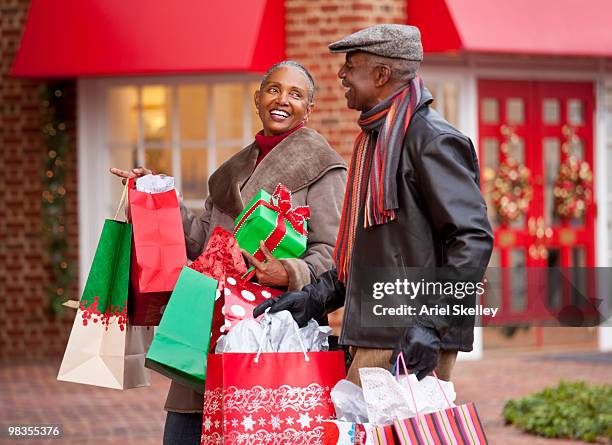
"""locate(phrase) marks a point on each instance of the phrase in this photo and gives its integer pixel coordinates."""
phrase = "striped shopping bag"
(456, 425)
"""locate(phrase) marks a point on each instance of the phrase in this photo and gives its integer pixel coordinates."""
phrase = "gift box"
(271, 219)
(182, 340)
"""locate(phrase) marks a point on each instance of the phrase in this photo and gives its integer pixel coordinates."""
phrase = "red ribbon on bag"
(280, 202)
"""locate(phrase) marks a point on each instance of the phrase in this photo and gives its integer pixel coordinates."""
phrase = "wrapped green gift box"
(270, 218)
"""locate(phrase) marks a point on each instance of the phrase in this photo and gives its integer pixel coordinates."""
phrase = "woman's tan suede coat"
(316, 175)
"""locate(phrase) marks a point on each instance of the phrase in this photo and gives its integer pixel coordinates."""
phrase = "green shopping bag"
(102, 349)
(180, 346)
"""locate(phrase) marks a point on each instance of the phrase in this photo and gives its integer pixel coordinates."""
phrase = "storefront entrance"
(536, 140)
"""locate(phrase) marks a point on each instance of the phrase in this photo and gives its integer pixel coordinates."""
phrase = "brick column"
(311, 26)
(28, 329)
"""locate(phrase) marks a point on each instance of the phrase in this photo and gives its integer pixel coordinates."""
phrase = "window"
(446, 99)
(182, 129)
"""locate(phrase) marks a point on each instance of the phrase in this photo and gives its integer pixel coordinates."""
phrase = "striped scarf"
(372, 175)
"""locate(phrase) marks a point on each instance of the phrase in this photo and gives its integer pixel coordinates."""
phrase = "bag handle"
(265, 332)
(400, 357)
(122, 201)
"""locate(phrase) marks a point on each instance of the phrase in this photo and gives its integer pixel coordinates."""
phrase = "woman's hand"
(134, 173)
(270, 272)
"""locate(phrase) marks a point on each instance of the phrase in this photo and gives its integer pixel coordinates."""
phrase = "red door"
(527, 132)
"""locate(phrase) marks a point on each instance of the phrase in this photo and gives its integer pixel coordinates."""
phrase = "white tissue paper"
(349, 402)
(388, 399)
(155, 183)
(281, 335)
(244, 337)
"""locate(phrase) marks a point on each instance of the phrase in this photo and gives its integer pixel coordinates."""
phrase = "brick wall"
(311, 26)
(27, 328)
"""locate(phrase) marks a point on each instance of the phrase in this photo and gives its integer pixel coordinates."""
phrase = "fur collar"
(297, 161)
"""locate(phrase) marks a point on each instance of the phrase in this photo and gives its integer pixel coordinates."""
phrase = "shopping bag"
(337, 432)
(237, 299)
(159, 252)
(103, 349)
(455, 425)
(351, 426)
(269, 397)
(181, 343)
(271, 219)
(458, 425)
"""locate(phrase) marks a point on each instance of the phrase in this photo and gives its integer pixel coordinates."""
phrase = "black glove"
(420, 346)
(313, 301)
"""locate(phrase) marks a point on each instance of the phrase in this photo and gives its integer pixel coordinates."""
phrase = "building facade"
(534, 108)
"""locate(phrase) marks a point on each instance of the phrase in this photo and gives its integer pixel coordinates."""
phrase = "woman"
(284, 151)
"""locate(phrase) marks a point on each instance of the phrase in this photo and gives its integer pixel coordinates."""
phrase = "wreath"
(573, 188)
(511, 190)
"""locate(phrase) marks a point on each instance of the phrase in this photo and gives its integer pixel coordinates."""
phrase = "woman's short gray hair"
(298, 66)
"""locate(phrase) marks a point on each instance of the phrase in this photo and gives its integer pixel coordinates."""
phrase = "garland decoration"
(54, 193)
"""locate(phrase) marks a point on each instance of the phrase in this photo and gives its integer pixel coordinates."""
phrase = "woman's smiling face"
(282, 102)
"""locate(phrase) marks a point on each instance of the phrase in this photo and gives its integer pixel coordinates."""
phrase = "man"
(412, 201)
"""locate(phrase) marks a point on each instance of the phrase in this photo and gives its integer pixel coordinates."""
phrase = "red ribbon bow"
(296, 217)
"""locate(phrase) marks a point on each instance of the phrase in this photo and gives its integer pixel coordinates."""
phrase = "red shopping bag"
(274, 399)
(158, 253)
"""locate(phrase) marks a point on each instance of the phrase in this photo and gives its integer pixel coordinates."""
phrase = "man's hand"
(298, 302)
(269, 272)
(420, 346)
(134, 173)
(313, 301)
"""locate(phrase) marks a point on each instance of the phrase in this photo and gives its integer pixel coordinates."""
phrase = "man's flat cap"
(395, 41)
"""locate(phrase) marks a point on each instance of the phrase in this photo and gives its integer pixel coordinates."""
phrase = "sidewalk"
(497, 378)
(29, 394)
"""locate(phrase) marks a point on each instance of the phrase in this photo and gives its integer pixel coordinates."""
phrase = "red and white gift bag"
(237, 299)
(280, 399)
(337, 432)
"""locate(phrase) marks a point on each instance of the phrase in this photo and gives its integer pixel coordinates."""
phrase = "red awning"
(538, 27)
(68, 38)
